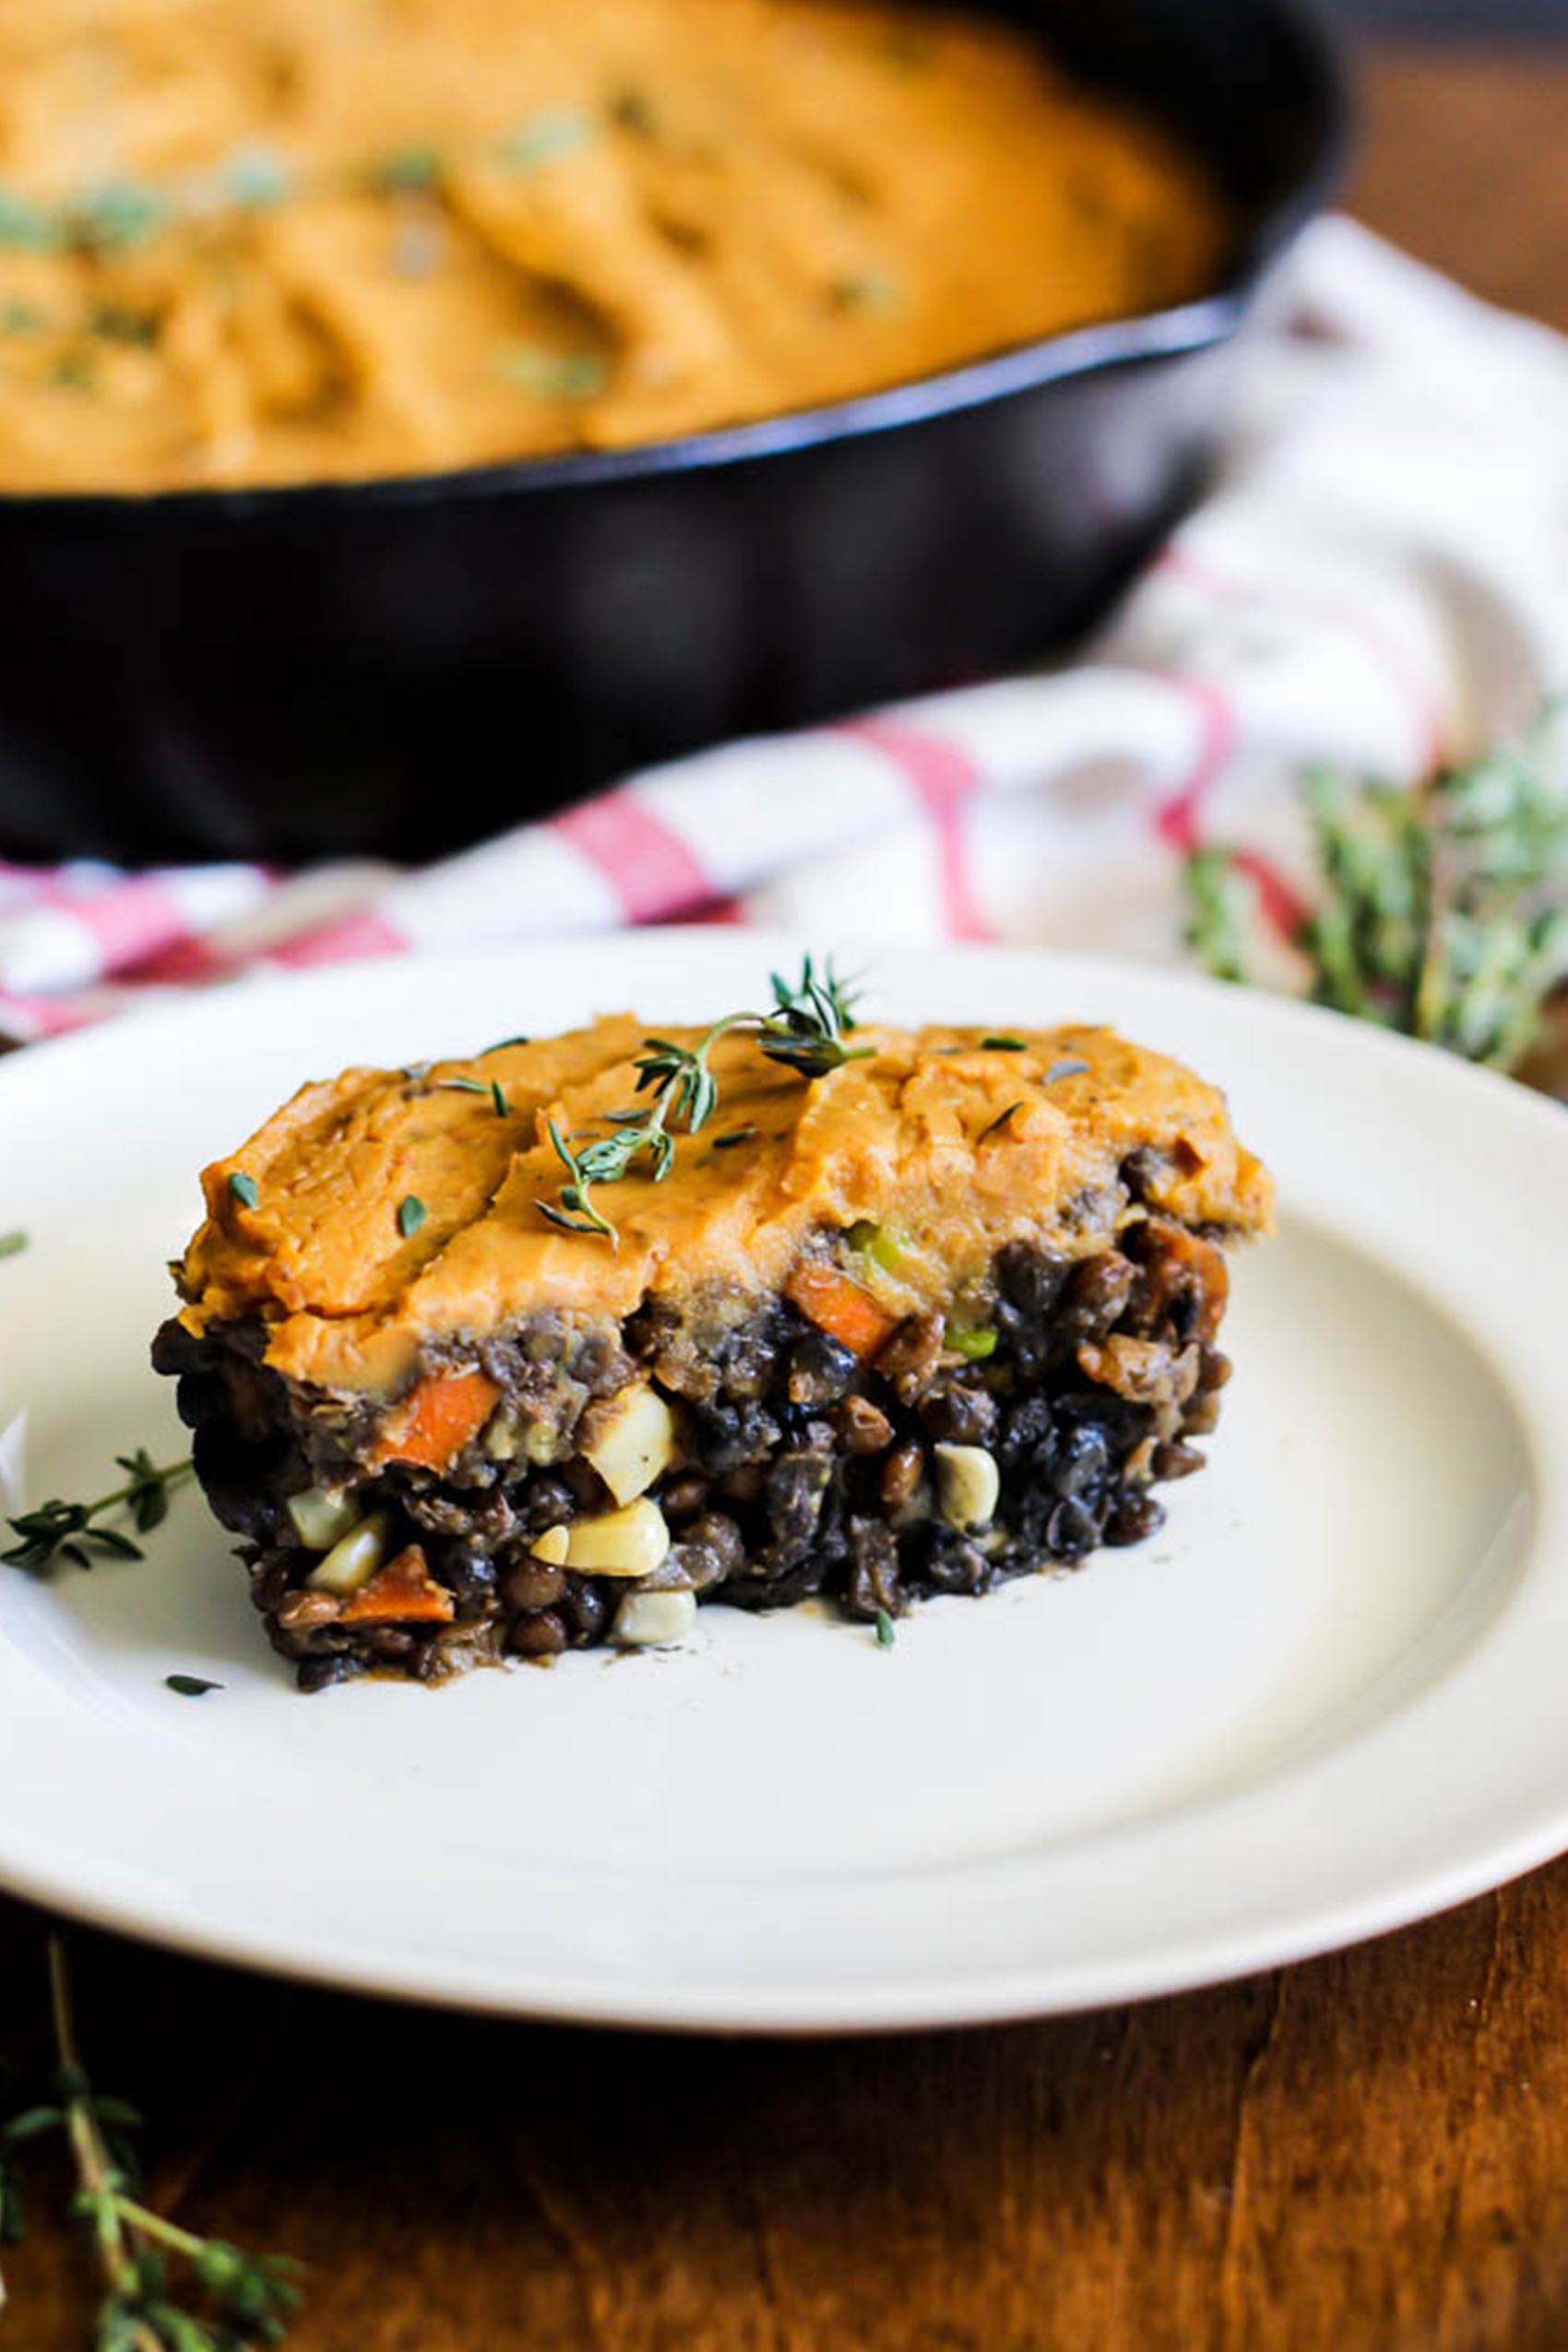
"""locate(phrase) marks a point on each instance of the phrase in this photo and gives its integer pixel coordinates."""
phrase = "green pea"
(880, 1244)
(975, 1345)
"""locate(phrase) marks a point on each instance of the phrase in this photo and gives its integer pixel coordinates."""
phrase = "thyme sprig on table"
(58, 1530)
(804, 1030)
(1442, 907)
(248, 2298)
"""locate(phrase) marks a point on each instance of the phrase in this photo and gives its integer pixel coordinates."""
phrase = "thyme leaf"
(118, 323)
(115, 215)
(75, 371)
(548, 136)
(406, 170)
(552, 375)
(633, 110)
(26, 226)
(256, 177)
(873, 292)
(999, 1121)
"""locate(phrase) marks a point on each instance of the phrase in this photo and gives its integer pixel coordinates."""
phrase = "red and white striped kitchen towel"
(1380, 576)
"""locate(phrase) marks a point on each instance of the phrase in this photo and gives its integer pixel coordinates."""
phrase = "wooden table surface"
(1369, 2152)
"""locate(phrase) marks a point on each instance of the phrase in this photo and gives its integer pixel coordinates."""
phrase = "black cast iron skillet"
(403, 665)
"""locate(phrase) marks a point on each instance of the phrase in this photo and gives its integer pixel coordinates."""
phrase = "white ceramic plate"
(1327, 1700)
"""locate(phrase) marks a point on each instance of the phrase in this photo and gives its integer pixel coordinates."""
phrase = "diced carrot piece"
(437, 1419)
(402, 1593)
(839, 1307)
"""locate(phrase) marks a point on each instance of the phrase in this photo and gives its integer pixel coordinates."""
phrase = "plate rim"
(1005, 1995)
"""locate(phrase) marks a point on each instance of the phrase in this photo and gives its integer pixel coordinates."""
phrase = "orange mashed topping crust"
(949, 1147)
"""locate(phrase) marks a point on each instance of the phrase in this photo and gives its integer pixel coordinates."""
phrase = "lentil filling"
(797, 1469)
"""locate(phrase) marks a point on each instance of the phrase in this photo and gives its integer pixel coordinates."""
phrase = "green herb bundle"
(1441, 907)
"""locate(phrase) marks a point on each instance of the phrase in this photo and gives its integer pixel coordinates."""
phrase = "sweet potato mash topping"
(269, 241)
(931, 1153)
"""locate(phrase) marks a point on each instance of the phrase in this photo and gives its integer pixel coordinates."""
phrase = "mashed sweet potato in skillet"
(267, 241)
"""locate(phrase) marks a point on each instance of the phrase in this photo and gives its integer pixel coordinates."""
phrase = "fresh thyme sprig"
(804, 1030)
(58, 1530)
(1442, 907)
(249, 2296)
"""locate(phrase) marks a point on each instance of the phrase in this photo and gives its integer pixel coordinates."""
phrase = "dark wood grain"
(1367, 2153)
(1462, 162)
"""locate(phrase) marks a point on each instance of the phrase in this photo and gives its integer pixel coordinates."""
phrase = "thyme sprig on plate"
(804, 1030)
(248, 2296)
(1442, 907)
(58, 1530)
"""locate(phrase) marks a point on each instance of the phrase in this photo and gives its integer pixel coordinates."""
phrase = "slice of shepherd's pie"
(519, 1353)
